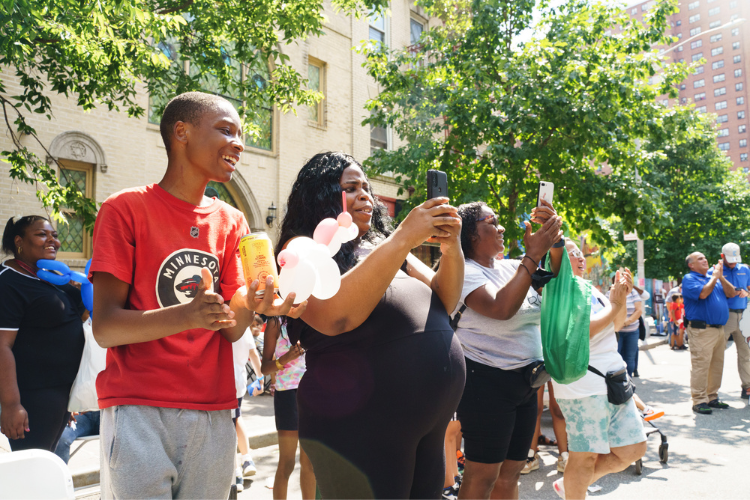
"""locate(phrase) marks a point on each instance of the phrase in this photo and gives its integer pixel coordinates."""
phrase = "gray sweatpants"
(150, 452)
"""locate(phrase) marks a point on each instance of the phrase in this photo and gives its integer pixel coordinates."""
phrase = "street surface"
(708, 454)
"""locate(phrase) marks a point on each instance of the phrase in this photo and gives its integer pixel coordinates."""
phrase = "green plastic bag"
(566, 315)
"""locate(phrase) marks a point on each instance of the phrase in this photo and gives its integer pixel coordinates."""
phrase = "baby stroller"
(663, 447)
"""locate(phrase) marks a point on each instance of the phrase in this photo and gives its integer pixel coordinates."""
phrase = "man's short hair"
(188, 107)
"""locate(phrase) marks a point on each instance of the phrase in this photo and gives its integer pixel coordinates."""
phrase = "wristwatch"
(560, 243)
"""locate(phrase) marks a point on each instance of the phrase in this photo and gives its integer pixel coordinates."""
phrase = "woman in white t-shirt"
(500, 334)
(602, 437)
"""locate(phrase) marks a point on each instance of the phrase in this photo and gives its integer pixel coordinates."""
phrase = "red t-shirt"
(677, 309)
(158, 244)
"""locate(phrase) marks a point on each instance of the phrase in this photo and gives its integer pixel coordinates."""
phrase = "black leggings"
(48, 415)
(373, 421)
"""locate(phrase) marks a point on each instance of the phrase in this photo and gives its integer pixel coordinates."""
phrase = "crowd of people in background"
(381, 386)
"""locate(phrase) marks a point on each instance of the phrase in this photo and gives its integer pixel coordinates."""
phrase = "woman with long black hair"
(384, 369)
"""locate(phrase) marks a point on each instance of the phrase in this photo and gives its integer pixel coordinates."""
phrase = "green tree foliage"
(498, 116)
(100, 52)
(710, 204)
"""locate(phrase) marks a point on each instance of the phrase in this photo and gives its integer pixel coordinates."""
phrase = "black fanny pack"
(535, 374)
(619, 386)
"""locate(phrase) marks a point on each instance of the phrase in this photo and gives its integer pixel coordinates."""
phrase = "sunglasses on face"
(491, 219)
(576, 254)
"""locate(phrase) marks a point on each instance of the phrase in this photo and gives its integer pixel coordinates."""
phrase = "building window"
(259, 74)
(738, 86)
(732, 5)
(717, 51)
(316, 82)
(740, 101)
(634, 11)
(724, 146)
(75, 242)
(737, 73)
(701, 109)
(377, 28)
(698, 70)
(735, 31)
(696, 44)
(714, 11)
(723, 132)
(378, 138)
(679, 23)
(169, 48)
(721, 105)
(697, 57)
(694, 18)
(693, 5)
(736, 59)
(742, 129)
(682, 87)
(700, 97)
(714, 24)
(717, 64)
(743, 157)
(740, 115)
(720, 78)
(722, 119)
(695, 31)
(681, 60)
(720, 91)
(734, 16)
(665, 102)
(743, 143)
(735, 45)
(715, 38)
(699, 83)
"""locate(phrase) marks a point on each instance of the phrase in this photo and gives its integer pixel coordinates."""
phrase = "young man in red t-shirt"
(168, 301)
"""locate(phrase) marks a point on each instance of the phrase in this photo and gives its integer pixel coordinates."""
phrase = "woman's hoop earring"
(20, 250)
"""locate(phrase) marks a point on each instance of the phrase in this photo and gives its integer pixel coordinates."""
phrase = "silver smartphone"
(546, 192)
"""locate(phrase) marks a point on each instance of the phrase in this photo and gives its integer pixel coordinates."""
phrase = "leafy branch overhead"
(103, 53)
(498, 115)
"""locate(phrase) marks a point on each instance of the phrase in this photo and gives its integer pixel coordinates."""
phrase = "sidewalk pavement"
(257, 415)
(707, 453)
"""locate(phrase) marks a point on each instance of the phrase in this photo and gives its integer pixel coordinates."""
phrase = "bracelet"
(526, 268)
(532, 260)
(279, 365)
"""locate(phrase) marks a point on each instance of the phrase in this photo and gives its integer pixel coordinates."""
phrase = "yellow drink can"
(258, 261)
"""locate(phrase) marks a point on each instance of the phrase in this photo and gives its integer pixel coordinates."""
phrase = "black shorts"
(497, 414)
(285, 410)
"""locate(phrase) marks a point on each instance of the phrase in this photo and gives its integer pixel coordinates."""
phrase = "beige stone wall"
(133, 153)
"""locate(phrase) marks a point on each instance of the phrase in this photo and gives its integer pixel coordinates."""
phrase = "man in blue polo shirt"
(706, 313)
(738, 275)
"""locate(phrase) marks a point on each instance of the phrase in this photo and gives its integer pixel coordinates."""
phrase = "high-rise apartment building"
(716, 32)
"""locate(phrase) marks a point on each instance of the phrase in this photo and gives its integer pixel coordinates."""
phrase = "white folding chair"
(34, 474)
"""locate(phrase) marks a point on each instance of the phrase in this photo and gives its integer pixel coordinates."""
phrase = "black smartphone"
(437, 184)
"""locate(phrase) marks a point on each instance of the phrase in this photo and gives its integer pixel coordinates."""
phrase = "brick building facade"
(717, 31)
(106, 152)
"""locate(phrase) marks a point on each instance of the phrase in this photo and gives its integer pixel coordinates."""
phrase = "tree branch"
(497, 197)
(176, 8)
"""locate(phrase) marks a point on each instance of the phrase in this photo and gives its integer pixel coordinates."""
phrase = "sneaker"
(239, 481)
(702, 409)
(559, 488)
(532, 463)
(715, 403)
(650, 414)
(562, 461)
(745, 393)
(248, 468)
(635, 374)
(450, 493)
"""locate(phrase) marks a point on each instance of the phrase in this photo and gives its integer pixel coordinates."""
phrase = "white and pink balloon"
(307, 265)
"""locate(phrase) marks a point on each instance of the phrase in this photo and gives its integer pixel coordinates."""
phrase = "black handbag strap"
(457, 317)
(594, 370)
